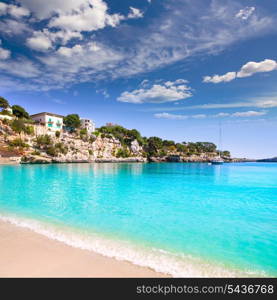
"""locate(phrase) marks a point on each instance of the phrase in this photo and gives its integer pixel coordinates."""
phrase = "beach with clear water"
(179, 219)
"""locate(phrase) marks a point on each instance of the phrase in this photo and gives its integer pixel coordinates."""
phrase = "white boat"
(217, 161)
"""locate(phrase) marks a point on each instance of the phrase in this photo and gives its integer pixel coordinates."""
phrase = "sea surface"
(184, 219)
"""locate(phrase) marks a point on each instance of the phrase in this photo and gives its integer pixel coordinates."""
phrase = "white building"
(88, 124)
(53, 122)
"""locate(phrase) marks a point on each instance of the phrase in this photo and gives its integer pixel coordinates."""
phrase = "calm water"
(184, 219)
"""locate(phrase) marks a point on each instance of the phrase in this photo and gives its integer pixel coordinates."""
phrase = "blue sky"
(172, 68)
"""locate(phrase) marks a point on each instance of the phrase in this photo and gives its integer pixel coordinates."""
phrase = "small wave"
(156, 259)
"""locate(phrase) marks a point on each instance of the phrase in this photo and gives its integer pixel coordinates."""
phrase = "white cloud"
(222, 115)
(157, 93)
(251, 68)
(39, 41)
(167, 38)
(245, 13)
(45, 40)
(246, 70)
(21, 67)
(199, 116)
(13, 10)
(13, 27)
(220, 78)
(91, 15)
(134, 13)
(68, 52)
(250, 113)
(45, 9)
(170, 116)
(4, 53)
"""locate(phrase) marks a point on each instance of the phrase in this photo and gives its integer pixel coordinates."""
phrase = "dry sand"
(24, 253)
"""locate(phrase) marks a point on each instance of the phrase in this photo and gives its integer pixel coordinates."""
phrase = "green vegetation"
(18, 142)
(125, 136)
(4, 104)
(19, 126)
(57, 134)
(20, 112)
(122, 153)
(35, 152)
(72, 122)
(43, 141)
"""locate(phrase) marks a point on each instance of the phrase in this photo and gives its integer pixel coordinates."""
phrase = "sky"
(177, 69)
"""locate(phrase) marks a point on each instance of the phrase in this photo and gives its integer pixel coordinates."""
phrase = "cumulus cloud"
(44, 40)
(91, 15)
(68, 52)
(246, 70)
(251, 68)
(13, 27)
(245, 13)
(134, 13)
(157, 93)
(4, 53)
(13, 10)
(220, 78)
(167, 38)
(39, 41)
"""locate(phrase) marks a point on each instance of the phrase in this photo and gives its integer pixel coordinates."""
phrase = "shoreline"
(25, 253)
(31, 248)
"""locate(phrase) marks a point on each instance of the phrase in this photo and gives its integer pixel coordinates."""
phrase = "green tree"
(226, 153)
(154, 144)
(4, 103)
(72, 121)
(20, 112)
(167, 143)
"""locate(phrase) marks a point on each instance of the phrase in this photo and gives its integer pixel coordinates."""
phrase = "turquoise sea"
(184, 219)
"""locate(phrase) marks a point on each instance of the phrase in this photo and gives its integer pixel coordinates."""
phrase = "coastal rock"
(135, 147)
(117, 160)
(35, 159)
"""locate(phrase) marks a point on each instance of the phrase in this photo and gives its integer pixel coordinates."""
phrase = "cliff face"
(37, 145)
(31, 148)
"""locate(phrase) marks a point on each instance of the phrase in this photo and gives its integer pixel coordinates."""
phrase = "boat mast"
(220, 139)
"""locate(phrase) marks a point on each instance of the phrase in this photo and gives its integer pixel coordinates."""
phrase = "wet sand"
(24, 253)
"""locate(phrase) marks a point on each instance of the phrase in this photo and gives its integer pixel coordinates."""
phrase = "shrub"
(90, 152)
(61, 148)
(52, 151)
(43, 140)
(29, 130)
(18, 126)
(58, 134)
(18, 143)
(83, 131)
(122, 152)
(36, 152)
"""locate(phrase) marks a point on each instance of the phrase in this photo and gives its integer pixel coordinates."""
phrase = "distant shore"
(25, 253)
(42, 160)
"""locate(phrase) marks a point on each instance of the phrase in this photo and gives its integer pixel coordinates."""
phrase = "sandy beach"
(8, 161)
(27, 254)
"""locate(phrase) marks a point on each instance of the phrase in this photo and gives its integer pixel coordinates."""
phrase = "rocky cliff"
(62, 148)
(34, 144)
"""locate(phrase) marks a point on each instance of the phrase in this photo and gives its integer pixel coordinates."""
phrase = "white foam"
(156, 259)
